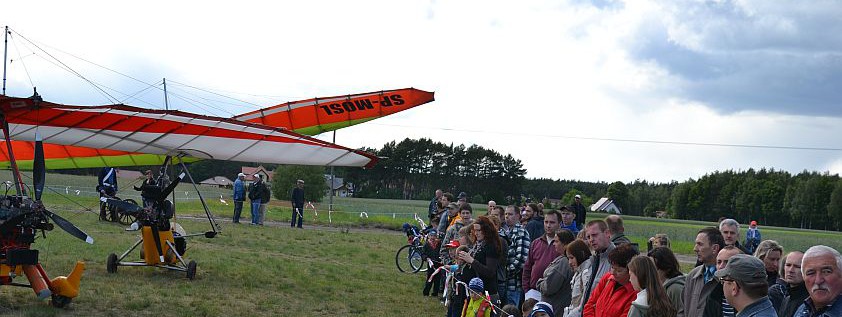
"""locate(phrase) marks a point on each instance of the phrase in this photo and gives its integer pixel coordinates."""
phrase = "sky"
(586, 90)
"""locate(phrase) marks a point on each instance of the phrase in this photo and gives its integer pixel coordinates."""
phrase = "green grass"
(247, 270)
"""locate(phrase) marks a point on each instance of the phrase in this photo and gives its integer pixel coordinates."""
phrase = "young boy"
(431, 251)
(458, 296)
(478, 306)
(542, 309)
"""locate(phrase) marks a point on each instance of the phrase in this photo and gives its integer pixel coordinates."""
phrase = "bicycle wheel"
(402, 259)
(125, 218)
(417, 260)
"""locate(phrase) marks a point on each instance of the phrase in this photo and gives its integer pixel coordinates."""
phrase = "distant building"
(218, 181)
(339, 187)
(606, 205)
(264, 173)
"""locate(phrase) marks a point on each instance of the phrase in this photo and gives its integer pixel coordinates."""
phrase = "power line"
(731, 145)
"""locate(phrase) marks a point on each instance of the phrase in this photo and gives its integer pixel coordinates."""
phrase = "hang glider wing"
(128, 133)
(317, 115)
(69, 157)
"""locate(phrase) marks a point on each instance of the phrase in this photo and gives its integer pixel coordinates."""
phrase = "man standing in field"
(297, 204)
(615, 226)
(239, 196)
(744, 283)
(447, 212)
(717, 305)
(579, 210)
(822, 270)
(568, 220)
(599, 240)
(517, 253)
(787, 297)
(541, 254)
(433, 209)
(730, 229)
(700, 281)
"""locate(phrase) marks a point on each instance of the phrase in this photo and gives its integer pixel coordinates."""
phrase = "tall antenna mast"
(5, 55)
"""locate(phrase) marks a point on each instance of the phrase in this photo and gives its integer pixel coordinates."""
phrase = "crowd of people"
(528, 261)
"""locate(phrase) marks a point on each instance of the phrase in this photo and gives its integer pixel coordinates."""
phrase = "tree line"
(414, 169)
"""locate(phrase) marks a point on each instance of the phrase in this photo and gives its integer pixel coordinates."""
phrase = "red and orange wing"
(317, 115)
(136, 131)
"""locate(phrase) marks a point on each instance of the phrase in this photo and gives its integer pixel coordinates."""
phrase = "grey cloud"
(749, 56)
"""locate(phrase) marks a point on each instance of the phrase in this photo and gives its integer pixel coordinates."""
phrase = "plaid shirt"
(519, 241)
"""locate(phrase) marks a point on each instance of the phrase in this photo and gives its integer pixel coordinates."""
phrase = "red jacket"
(606, 301)
(541, 254)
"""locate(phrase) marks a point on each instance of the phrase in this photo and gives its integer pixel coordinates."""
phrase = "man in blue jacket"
(239, 196)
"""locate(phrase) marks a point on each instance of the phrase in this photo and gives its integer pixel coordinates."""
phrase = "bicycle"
(410, 258)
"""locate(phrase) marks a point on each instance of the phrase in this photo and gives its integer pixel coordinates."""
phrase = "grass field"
(273, 270)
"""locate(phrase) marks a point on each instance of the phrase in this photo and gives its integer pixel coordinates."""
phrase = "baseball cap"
(744, 268)
(578, 196)
(241, 175)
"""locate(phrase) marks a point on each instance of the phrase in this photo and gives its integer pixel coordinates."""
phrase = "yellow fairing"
(151, 252)
(69, 286)
(5, 269)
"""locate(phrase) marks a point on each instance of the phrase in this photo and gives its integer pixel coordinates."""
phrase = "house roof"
(250, 171)
(217, 180)
(601, 204)
(338, 182)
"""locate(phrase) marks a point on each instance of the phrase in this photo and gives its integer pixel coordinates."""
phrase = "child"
(528, 304)
(510, 311)
(458, 296)
(542, 309)
(431, 251)
(478, 306)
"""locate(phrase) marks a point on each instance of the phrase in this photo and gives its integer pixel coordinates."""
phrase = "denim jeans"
(255, 211)
(238, 209)
(513, 297)
(297, 212)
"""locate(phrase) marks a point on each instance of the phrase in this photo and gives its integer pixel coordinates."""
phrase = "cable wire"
(733, 145)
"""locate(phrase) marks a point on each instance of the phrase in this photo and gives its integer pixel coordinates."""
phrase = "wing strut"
(214, 225)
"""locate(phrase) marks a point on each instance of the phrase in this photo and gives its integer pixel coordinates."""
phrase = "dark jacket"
(486, 260)
(259, 192)
(297, 197)
(786, 299)
(535, 227)
(579, 210)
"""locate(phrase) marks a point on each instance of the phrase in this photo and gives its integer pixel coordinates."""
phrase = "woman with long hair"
(577, 253)
(484, 256)
(651, 298)
(669, 275)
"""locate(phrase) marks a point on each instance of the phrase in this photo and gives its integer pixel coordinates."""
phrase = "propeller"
(39, 175)
(69, 227)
